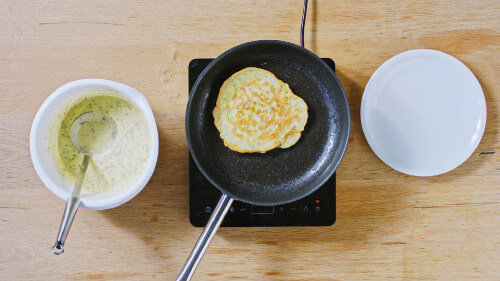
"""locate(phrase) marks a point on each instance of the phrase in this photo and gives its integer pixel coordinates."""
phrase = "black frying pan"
(280, 175)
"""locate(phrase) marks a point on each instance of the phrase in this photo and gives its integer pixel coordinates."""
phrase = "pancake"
(257, 112)
(299, 110)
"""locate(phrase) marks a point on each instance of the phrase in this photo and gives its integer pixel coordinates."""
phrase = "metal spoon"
(91, 133)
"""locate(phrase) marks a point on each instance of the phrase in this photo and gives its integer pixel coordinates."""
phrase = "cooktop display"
(317, 209)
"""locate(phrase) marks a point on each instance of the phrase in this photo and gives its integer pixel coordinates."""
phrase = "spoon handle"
(81, 176)
(72, 205)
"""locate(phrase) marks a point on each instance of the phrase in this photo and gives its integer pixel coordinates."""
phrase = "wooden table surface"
(390, 226)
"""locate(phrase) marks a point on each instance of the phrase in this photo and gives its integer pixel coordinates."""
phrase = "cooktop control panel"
(317, 209)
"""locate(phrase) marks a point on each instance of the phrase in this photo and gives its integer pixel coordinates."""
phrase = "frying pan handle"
(205, 238)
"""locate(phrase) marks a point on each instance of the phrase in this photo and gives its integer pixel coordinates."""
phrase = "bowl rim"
(131, 94)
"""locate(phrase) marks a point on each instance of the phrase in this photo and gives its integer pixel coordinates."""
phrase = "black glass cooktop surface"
(317, 209)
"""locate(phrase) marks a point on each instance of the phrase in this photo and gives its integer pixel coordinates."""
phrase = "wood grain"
(390, 226)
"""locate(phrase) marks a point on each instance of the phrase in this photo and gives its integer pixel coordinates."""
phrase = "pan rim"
(342, 145)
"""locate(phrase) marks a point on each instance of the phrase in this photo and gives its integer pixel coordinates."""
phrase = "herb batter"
(122, 163)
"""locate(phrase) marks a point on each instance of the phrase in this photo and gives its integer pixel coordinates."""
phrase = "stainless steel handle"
(205, 238)
(72, 205)
(69, 214)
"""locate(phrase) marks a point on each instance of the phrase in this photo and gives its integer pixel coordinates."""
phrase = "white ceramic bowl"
(43, 160)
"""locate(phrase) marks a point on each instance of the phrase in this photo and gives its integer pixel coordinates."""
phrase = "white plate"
(423, 112)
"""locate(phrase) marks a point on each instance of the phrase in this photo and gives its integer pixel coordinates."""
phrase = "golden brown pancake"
(257, 112)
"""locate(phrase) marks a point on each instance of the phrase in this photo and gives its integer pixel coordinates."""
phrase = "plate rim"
(373, 79)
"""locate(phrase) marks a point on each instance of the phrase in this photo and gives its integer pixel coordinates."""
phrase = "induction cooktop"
(317, 209)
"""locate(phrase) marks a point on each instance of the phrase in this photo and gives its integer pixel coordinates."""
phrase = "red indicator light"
(317, 201)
